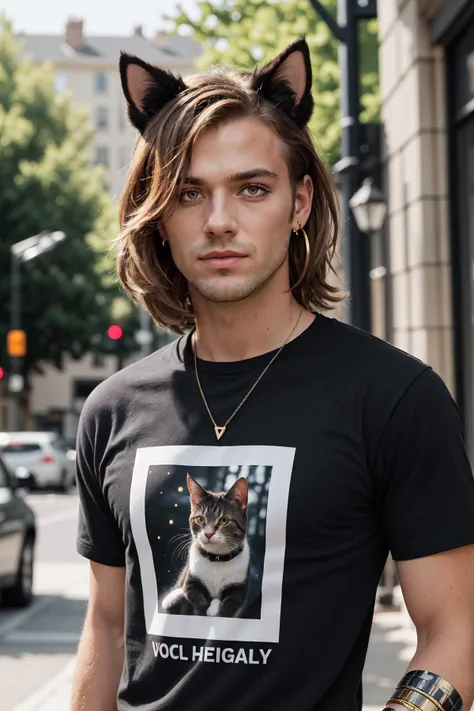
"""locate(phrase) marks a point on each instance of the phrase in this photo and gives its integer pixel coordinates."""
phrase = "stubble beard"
(227, 288)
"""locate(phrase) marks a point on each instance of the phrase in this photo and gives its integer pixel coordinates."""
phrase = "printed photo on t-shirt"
(209, 525)
(207, 535)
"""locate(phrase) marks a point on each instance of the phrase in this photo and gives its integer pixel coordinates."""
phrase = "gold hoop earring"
(307, 258)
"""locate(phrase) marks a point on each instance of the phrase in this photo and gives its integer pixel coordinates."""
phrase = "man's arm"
(101, 649)
(439, 593)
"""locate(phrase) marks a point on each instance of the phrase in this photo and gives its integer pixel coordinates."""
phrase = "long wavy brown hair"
(159, 165)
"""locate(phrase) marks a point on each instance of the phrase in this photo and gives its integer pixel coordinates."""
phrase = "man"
(237, 483)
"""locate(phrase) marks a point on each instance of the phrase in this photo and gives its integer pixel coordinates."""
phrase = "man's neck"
(237, 331)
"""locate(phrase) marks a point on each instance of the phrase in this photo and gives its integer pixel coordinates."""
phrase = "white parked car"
(43, 456)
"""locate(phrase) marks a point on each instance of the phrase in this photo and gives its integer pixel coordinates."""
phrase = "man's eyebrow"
(249, 174)
(235, 177)
(192, 180)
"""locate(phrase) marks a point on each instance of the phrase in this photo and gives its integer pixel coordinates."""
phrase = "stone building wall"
(413, 114)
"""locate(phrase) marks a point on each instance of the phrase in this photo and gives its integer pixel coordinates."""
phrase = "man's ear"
(147, 89)
(286, 81)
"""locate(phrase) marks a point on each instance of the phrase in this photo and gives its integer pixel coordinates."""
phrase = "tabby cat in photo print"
(215, 579)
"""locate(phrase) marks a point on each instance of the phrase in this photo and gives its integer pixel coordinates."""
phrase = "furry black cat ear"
(287, 80)
(147, 89)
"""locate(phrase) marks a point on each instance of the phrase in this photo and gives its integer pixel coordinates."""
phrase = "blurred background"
(394, 122)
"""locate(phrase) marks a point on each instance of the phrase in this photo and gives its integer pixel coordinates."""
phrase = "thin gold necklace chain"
(220, 430)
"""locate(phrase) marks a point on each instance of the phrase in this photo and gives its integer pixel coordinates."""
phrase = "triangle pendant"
(219, 431)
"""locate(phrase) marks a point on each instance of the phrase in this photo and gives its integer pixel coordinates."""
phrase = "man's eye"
(189, 195)
(255, 190)
(200, 520)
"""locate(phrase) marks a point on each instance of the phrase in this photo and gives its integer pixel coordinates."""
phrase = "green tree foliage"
(47, 183)
(243, 33)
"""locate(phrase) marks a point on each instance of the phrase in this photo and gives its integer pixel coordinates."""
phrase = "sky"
(118, 17)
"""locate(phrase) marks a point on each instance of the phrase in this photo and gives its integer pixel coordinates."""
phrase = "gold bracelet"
(416, 698)
(420, 691)
(434, 686)
(406, 704)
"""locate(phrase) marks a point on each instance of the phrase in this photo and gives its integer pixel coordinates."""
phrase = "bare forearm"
(450, 656)
(99, 666)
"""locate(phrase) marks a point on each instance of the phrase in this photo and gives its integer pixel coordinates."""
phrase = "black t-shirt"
(348, 448)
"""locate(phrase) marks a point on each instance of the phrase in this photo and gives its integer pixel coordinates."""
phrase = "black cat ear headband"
(285, 81)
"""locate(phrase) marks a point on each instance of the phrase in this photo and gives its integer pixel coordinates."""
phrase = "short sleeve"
(98, 537)
(424, 479)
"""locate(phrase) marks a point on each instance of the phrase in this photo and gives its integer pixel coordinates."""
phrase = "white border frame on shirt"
(265, 629)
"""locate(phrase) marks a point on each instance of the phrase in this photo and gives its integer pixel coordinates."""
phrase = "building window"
(61, 82)
(102, 156)
(101, 118)
(100, 82)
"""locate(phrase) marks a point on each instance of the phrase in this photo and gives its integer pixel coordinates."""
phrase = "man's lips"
(223, 259)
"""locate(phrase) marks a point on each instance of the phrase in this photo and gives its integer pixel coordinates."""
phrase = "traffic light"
(2, 373)
(116, 343)
(16, 343)
(115, 332)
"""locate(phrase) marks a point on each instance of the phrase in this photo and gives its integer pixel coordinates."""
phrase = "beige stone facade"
(427, 85)
(414, 117)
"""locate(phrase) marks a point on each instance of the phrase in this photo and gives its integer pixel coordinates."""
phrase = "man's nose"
(220, 221)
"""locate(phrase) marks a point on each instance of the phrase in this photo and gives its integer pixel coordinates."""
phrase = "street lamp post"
(356, 256)
(369, 207)
(22, 252)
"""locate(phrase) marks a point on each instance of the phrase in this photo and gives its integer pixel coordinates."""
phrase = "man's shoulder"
(376, 380)
(369, 364)
(119, 389)
(366, 351)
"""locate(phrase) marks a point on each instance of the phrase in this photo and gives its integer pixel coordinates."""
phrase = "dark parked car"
(17, 542)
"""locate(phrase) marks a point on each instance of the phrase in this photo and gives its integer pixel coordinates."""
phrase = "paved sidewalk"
(70, 580)
(54, 696)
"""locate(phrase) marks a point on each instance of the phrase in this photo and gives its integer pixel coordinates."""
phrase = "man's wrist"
(424, 691)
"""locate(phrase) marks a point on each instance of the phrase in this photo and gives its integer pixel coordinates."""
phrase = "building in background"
(87, 67)
(427, 83)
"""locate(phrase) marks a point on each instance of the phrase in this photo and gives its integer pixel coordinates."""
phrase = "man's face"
(229, 234)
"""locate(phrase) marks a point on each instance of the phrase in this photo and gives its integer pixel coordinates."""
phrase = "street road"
(38, 642)
(37, 645)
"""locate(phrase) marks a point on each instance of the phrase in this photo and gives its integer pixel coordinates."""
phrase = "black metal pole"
(356, 247)
(15, 322)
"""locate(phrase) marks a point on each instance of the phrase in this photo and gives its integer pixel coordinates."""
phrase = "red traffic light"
(115, 332)
(2, 373)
